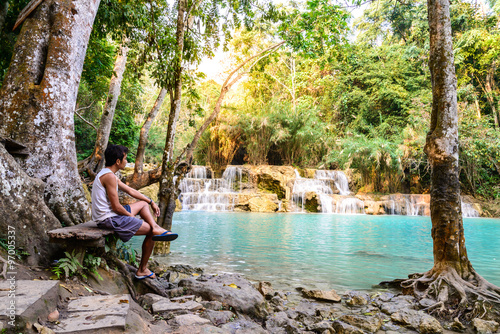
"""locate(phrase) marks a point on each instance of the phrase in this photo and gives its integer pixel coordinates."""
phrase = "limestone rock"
(219, 317)
(166, 305)
(265, 289)
(260, 203)
(230, 289)
(355, 298)
(485, 326)
(93, 313)
(212, 305)
(189, 320)
(396, 304)
(330, 296)
(417, 320)
(343, 328)
(369, 323)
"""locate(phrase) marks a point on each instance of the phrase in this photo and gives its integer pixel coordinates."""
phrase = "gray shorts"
(125, 227)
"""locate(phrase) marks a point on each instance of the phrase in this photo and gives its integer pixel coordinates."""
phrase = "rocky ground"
(193, 302)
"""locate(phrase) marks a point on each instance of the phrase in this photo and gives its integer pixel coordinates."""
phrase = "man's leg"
(142, 208)
(147, 248)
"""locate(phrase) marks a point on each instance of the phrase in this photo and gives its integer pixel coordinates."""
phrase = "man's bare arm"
(109, 181)
(138, 195)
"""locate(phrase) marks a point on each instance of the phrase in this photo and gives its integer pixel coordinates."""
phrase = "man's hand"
(156, 209)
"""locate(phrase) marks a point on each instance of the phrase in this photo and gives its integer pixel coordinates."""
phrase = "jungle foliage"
(356, 100)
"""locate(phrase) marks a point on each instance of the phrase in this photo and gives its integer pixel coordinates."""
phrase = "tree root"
(123, 269)
(150, 283)
(465, 298)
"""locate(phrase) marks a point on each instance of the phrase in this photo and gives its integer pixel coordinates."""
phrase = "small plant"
(68, 265)
(91, 263)
(127, 253)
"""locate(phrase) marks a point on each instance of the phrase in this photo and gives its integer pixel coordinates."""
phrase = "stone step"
(93, 313)
(25, 301)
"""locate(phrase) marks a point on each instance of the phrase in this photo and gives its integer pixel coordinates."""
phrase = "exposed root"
(123, 269)
(455, 296)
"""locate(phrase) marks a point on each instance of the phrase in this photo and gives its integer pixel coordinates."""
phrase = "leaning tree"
(457, 288)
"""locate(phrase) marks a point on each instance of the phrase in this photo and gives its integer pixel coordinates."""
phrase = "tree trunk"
(167, 192)
(38, 98)
(442, 147)
(143, 138)
(452, 281)
(24, 212)
(93, 164)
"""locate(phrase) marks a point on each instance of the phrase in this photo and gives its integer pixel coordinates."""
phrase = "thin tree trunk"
(166, 193)
(143, 138)
(442, 147)
(38, 98)
(95, 162)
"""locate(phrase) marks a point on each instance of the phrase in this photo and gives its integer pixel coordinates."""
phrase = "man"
(110, 214)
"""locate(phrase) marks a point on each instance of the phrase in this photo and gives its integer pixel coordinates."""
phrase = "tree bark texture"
(167, 189)
(143, 138)
(442, 147)
(24, 211)
(93, 164)
(38, 98)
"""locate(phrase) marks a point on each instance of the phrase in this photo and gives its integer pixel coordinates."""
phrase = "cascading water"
(200, 193)
(468, 211)
(322, 186)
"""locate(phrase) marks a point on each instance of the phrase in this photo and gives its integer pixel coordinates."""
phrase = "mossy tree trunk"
(38, 98)
(452, 281)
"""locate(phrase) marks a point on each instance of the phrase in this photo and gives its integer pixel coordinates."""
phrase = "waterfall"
(468, 211)
(321, 185)
(231, 174)
(338, 177)
(407, 204)
(205, 194)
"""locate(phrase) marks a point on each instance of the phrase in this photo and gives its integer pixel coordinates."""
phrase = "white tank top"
(101, 206)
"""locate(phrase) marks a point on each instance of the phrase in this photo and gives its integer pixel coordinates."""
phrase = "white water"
(322, 186)
(468, 211)
(200, 193)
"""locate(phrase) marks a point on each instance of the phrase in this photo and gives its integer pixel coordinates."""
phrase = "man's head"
(114, 153)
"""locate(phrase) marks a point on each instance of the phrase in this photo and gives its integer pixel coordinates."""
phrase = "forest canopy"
(361, 102)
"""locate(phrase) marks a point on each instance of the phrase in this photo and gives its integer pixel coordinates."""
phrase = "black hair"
(113, 153)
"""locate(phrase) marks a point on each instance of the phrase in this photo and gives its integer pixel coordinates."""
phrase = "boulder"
(280, 322)
(229, 289)
(485, 326)
(265, 289)
(344, 328)
(355, 298)
(188, 320)
(329, 296)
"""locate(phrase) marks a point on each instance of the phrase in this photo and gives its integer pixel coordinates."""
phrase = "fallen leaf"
(195, 274)
(234, 286)
(123, 301)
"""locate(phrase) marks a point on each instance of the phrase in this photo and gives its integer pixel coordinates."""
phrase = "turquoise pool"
(321, 250)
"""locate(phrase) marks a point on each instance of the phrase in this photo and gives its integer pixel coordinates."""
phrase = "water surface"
(321, 251)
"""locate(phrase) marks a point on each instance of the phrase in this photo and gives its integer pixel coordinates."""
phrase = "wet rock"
(277, 303)
(369, 323)
(344, 328)
(417, 320)
(244, 327)
(355, 298)
(329, 296)
(265, 289)
(485, 326)
(188, 320)
(232, 290)
(219, 317)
